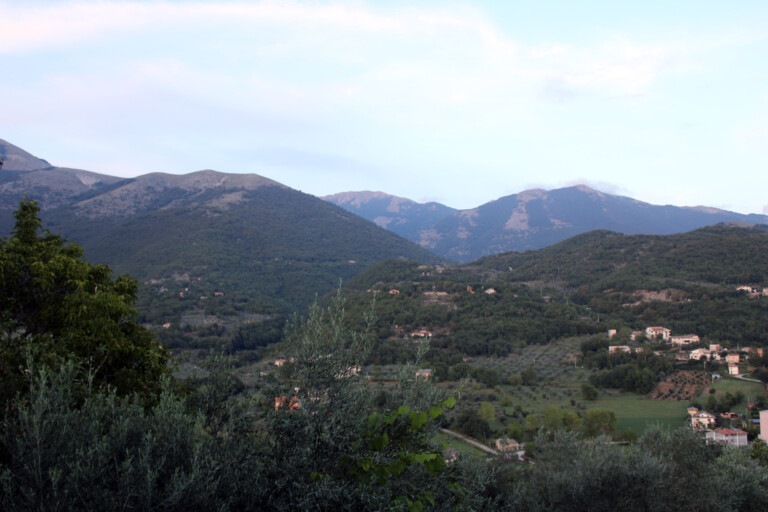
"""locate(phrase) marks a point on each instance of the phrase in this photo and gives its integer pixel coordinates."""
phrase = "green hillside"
(585, 285)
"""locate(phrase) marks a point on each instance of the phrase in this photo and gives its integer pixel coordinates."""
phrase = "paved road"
(469, 440)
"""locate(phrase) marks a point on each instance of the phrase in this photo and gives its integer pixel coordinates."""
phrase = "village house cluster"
(715, 352)
(753, 291)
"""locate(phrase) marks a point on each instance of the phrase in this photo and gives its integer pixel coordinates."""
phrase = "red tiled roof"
(730, 431)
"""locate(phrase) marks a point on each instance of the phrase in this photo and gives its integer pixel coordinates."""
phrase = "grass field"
(638, 413)
(460, 446)
(732, 385)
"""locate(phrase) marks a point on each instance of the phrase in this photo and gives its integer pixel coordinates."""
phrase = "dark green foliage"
(588, 392)
(717, 254)
(637, 372)
(56, 306)
(529, 376)
(664, 471)
(469, 422)
(336, 450)
(275, 244)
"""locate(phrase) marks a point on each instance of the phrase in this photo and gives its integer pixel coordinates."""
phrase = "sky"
(455, 102)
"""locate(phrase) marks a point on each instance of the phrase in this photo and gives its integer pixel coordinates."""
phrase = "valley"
(522, 337)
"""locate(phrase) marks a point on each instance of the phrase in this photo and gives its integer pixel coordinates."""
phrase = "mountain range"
(249, 235)
(196, 234)
(532, 219)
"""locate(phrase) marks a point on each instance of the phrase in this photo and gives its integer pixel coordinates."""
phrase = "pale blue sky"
(458, 102)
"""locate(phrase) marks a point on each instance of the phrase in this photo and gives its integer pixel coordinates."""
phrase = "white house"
(686, 339)
(730, 436)
(702, 420)
(763, 426)
(658, 332)
(699, 354)
(618, 348)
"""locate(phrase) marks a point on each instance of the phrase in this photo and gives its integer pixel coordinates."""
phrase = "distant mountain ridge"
(237, 234)
(405, 217)
(531, 219)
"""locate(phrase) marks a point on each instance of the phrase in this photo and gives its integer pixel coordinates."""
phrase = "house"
(635, 334)
(166, 325)
(421, 334)
(744, 288)
(729, 436)
(394, 291)
(618, 348)
(279, 362)
(715, 348)
(692, 411)
(506, 444)
(763, 426)
(658, 333)
(218, 294)
(469, 289)
(490, 291)
(424, 373)
(733, 369)
(702, 420)
(686, 339)
(699, 354)
(732, 358)
(612, 333)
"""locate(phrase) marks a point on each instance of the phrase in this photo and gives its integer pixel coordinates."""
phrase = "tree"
(588, 391)
(599, 421)
(469, 422)
(487, 411)
(345, 444)
(529, 376)
(55, 306)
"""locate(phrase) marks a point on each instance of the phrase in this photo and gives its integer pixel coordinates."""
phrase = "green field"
(731, 385)
(638, 413)
(460, 446)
